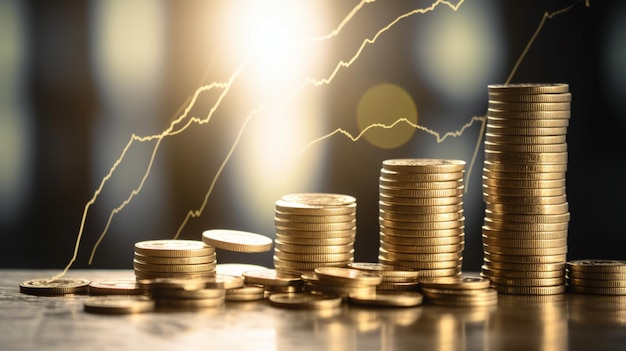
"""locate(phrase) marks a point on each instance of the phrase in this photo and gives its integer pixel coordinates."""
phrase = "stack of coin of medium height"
(184, 259)
(314, 230)
(527, 216)
(421, 215)
(598, 277)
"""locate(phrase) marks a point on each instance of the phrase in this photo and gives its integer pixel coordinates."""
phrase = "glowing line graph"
(226, 87)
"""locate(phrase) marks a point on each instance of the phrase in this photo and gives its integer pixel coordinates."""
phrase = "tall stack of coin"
(421, 215)
(314, 230)
(174, 259)
(527, 216)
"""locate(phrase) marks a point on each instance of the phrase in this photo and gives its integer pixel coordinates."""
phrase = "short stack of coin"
(183, 293)
(274, 282)
(464, 291)
(341, 281)
(421, 215)
(181, 259)
(527, 216)
(596, 277)
(394, 278)
(314, 230)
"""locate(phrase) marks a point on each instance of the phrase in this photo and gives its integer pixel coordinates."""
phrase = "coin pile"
(341, 281)
(527, 215)
(422, 226)
(314, 230)
(598, 277)
(394, 278)
(274, 282)
(465, 291)
(187, 259)
(197, 293)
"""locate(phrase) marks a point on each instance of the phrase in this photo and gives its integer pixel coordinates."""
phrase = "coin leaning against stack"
(527, 216)
(421, 215)
(314, 230)
(181, 259)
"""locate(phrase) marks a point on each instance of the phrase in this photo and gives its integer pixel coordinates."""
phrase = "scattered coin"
(388, 299)
(118, 304)
(116, 287)
(236, 240)
(305, 301)
(56, 287)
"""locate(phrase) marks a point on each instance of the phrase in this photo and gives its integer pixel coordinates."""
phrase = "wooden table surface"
(564, 322)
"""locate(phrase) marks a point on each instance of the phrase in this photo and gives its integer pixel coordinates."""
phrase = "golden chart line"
(345, 21)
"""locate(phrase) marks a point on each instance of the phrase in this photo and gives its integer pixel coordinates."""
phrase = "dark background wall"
(73, 94)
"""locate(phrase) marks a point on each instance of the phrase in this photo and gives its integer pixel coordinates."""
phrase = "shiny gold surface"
(559, 322)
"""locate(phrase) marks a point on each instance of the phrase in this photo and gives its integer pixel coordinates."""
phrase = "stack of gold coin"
(422, 226)
(183, 293)
(274, 281)
(314, 230)
(188, 259)
(597, 277)
(527, 216)
(341, 281)
(394, 278)
(466, 291)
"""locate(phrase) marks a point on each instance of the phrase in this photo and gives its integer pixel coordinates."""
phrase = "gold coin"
(525, 243)
(176, 260)
(316, 234)
(313, 209)
(531, 290)
(522, 192)
(270, 277)
(313, 249)
(342, 290)
(288, 217)
(491, 146)
(429, 185)
(236, 240)
(391, 286)
(529, 106)
(284, 264)
(500, 281)
(523, 258)
(56, 287)
(173, 268)
(508, 234)
(237, 269)
(421, 177)
(526, 157)
(595, 275)
(421, 210)
(421, 201)
(420, 193)
(529, 209)
(515, 251)
(116, 287)
(521, 131)
(189, 304)
(118, 304)
(527, 123)
(528, 88)
(562, 97)
(348, 276)
(530, 227)
(246, 293)
(441, 272)
(276, 289)
(525, 201)
(596, 290)
(388, 272)
(535, 186)
(411, 217)
(305, 301)
(500, 273)
(510, 217)
(422, 165)
(422, 225)
(139, 274)
(525, 267)
(155, 284)
(388, 298)
(597, 283)
(401, 256)
(189, 294)
(524, 140)
(299, 257)
(320, 199)
(434, 249)
(502, 113)
(532, 176)
(434, 241)
(322, 227)
(466, 282)
(422, 233)
(423, 266)
(597, 265)
(341, 241)
(525, 168)
(173, 248)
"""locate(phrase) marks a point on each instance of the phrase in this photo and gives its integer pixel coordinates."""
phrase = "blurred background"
(79, 79)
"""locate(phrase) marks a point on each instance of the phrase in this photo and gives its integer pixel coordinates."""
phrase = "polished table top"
(564, 322)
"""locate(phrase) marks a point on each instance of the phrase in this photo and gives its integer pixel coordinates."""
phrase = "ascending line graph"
(183, 122)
